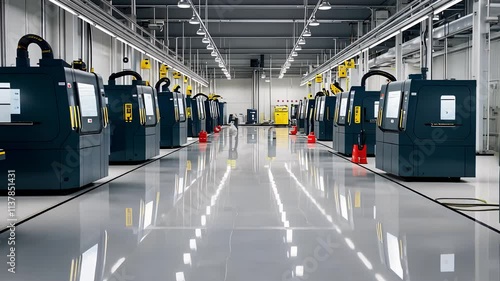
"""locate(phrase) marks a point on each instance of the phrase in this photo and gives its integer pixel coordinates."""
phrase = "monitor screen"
(393, 102)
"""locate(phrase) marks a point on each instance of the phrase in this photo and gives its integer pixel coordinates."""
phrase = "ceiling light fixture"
(183, 4)
(314, 22)
(201, 31)
(325, 5)
(294, 54)
(291, 59)
(302, 41)
(194, 20)
(214, 53)
(307, 33)
(205, 40)
(298, 48)
(210, 47)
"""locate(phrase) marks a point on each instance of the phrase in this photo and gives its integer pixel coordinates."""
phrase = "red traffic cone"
(355, 154)
(293, 131)
(311, 138)
(203, 136)
(362, 156)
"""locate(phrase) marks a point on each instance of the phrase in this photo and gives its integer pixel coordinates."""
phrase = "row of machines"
(416, 128)
(305, 115)
(70, 126)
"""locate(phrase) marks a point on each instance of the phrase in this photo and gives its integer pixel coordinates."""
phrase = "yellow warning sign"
(128, 217)
(357, 114)
(188, 165)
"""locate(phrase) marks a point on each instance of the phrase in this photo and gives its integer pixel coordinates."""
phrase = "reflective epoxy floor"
(250, 207)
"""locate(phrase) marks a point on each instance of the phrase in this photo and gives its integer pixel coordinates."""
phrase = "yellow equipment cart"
(281, 115)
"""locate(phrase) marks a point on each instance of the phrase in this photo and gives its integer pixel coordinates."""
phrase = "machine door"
(149, 105)
(439, 108)
(176, 107)
(89, 105)
(343, 109)
(321, 110)
(182, 108)
(201, 108)
(391, 112)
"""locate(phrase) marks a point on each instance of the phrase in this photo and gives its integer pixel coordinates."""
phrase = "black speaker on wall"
(254, 63)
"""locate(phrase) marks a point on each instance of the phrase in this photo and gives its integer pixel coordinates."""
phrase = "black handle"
(158, 84)
(376, 72)
(113, 76)
(23, 58)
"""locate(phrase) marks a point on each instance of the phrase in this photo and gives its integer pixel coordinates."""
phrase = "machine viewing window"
(448, 107)
(343, 107)
(321, 108)
(88, 100)
(149, 105)
(181, 109)
(375, 109)
(393, 104)
(201, 109)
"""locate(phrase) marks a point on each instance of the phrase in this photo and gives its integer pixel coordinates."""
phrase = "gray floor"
(245, 207)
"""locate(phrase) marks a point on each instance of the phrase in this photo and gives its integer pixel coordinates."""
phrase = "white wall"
(237, 93)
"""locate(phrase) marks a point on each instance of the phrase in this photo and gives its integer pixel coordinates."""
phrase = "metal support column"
(399, 57)
(429, 43)
(43, 21)
(480, 71)
(3, 56)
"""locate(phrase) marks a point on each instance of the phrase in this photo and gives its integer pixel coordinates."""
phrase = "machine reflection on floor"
(251, 206)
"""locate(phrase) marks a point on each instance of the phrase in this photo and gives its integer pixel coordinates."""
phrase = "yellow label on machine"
(185, 79)
(127, 112)
(319, 78)
(128, 217)
(188, 165)
(309, 83)
(145, 64)
(188, 112)
(357, 114)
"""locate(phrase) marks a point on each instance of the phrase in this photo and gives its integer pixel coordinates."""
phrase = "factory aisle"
(250, 207)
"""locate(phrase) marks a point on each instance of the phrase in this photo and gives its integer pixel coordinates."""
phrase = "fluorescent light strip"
(104, 30)
(62, 6)
(384, 39)
(85, 19)
(452, 3)
(413, 23)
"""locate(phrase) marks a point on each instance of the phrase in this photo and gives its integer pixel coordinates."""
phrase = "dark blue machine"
(323, 119)
(427, 129)
(222, 113)
(251, 116)
(173, 112)
(53, 123)
(212, 110)
(309, 116)
(356, 111)
(198, 114)
(135, 119)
